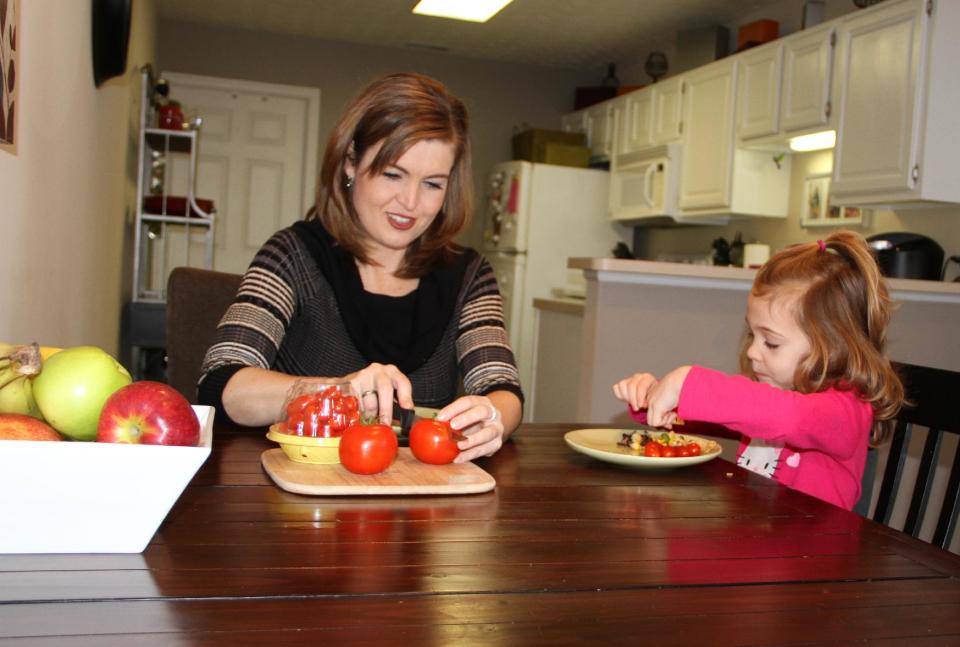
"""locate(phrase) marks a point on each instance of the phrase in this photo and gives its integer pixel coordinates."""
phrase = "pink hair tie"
(822, 245)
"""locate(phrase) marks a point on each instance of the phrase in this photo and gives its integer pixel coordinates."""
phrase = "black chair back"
(935, 397)
(196, 301)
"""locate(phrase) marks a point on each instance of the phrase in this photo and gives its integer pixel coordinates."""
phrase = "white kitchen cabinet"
(717, 178)
(785, 89)
(635, 127)
(574, 122)
(806, 98)
(667, 111)
(759, 88)
(897, 134)
(649, 117)
(600, 120)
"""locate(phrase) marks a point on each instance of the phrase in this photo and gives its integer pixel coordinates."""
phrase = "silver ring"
(493, 413)
(368, 392)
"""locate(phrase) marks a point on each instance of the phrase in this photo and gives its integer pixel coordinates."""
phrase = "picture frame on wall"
(816, 209)
(9, 74)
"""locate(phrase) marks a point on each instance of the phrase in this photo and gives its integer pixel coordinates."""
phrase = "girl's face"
(398, 204)
(778, 343)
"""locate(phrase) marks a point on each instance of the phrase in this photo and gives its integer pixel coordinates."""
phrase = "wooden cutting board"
(407, 475)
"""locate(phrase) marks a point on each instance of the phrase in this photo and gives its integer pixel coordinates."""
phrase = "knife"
(405, 418)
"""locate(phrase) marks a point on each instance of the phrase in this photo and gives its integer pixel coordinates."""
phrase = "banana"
(17, 397)
(47, 351)
(16, 361)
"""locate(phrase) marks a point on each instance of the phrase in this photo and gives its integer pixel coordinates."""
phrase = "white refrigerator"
(536, 217)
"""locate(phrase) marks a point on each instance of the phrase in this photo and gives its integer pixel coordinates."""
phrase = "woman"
(370, 287)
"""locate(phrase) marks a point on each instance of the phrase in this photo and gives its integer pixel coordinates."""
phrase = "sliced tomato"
(653, 450)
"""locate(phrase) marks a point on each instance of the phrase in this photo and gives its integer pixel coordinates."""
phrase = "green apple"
(72, 387)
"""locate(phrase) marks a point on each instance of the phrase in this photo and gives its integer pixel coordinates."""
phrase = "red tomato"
(368, 449)
(694, 449)
(652, 449)
(684, 450)
(433, 441)
(668, 451)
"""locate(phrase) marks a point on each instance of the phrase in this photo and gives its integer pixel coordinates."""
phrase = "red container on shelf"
(170, 116)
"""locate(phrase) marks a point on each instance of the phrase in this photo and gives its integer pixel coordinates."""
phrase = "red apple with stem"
(148, 413)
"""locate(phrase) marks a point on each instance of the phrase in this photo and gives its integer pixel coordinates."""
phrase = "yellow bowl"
(306, 449)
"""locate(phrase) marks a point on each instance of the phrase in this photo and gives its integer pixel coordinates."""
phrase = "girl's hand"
(375, 386)
(476, 417)
(634, 389)
(663, 397)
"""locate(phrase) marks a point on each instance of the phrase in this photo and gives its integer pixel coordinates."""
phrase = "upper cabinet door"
(667, 110)
(574, 122)
(881, 60)
(759, 88)
(636, 127)
(600, 129)
(705, 179)
(807, 80)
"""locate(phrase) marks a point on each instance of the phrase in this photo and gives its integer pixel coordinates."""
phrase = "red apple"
(149, 413)
(14, 426)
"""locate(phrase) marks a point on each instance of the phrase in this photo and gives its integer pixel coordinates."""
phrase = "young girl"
(816, 389)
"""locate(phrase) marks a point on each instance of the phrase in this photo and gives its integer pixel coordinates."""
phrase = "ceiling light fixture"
(470, 10)
(814, 141)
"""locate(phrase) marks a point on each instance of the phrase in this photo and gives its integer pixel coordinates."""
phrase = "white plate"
(602, 445)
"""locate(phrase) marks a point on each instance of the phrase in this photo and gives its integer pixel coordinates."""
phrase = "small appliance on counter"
(903, 255)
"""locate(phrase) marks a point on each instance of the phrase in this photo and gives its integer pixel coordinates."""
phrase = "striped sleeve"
(253, 327)
(483, 350)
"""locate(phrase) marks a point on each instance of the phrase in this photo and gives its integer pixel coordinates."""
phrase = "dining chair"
(196, 301)
(933, 395)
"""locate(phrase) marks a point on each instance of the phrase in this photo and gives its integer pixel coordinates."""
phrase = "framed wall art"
(816, 210)
(9, 73)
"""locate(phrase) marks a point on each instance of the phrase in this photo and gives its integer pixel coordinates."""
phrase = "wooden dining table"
(567, 549)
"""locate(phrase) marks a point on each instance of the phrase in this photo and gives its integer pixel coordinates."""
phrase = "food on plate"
(148, 413)
(14, 426)
(434, 441)
(73, 386)
(368, 448)
(659, 444)
(325, 413)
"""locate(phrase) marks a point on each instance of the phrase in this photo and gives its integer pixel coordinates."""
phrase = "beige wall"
(500, 97)
(62, 250)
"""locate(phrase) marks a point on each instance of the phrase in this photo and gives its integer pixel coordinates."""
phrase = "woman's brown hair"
(844, 308)
(399, 110)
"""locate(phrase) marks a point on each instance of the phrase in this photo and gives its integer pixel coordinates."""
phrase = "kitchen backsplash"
(940, 223)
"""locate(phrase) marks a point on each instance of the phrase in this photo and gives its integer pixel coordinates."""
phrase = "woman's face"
(398, 204)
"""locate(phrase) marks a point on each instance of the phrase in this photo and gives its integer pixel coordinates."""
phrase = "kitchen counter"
(738, 278)
(651, 316)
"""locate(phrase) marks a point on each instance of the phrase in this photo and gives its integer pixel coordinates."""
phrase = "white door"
(257, 158)
(668, 111)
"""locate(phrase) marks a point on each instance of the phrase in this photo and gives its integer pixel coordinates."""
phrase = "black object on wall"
(111, 35)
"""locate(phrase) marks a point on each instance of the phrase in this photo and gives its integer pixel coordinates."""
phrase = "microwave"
(644, 187)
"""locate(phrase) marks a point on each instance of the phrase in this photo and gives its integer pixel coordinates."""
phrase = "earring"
(349, 182)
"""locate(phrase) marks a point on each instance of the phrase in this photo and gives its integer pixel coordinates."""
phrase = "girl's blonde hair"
(844, 308)
(399, 110)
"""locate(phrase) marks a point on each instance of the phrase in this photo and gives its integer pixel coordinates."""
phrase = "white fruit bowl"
(88, 497)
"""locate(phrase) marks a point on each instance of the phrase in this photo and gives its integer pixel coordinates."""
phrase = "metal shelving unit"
(156, 230)
(171, 228)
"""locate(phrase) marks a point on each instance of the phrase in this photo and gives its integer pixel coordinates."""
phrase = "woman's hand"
(477, 418)
(375, 386)
(664, 396)
(634, 389)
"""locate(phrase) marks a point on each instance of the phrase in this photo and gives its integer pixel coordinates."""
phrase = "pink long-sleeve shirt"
(813, 442)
